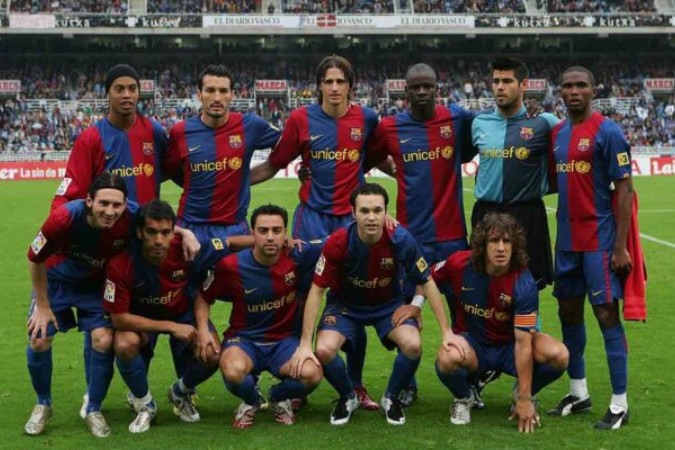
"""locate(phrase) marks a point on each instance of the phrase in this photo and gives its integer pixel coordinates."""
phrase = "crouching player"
(66, 268)
(365, 265)
(265, 286)
(497, 311)
(149, 290)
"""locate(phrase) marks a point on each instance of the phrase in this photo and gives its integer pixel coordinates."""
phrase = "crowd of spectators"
(69, 6)
(597, 6)
(647, 122)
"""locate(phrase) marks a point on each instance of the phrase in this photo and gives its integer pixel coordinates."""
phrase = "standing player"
(364, 265)
(150, 289)
(428, 144)
(512, 176)
(66, 266)
(265, 286)
(590, 154)
(124, 142)
(330, 137)
(212, 154)
(496, 311)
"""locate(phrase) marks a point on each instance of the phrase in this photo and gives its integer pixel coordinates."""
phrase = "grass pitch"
(651, 388)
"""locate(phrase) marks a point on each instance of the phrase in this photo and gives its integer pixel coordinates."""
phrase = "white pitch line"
(657, 240)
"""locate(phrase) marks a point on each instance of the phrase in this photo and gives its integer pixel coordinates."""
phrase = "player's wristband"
(418, 300)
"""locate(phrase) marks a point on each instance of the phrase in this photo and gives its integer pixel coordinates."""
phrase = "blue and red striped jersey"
(489, 308)
(365, 276)
(137, 154)
(164, 292)
(73, 251)
(587, 158)
(215, 164)
(266, 299)
(428, 157)
(332, 148)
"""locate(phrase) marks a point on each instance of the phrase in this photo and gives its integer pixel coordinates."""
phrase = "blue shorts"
(213, 239)
(347, 320)
(309, 224)
(88, 304)
(580, 273)
(501, 357)
(269, 356)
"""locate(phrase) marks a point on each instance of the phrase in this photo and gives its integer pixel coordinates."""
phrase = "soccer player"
(590, 154)
(364, 265)
(66, 261)
(124, 142)
(427, 143)
(150, 289)
(330, 137)
(265, 285)
(512, 176)
(212, 155)
(496, 314)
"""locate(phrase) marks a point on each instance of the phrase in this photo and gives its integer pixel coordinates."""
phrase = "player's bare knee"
(234, 370)
(41, 344)
(325, 353)
(212, 360)
(102, 339)
(411, 347)
(311, 374)
(562, 358)
(448, 361)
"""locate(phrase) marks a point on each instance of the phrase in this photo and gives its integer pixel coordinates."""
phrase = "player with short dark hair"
(150, 289)
(266, 285)
(497, 321)
(590, 155)
(330, 137)
(67, 259)
(364, 265)
(513, 149)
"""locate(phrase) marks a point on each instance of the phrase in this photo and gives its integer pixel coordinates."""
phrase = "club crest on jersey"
(235, 141)
(505, 300)
(38, 243)
(109, 293)
(584, 144)
(387, 263)
(178, 275)
(289, 278)
(320, 265)
(422, 264)
(148, 148)
(329, 320)
(446, 131)
(356, 134)
(217, 244)
(526, 133)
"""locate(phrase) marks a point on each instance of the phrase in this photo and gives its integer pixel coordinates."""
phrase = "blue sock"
(335, 373)
(134, 374)
(455, 381)
(40, 370)
(86, 355)
(617, 358)
(288, 388)
(403, 371)
(100, 376)
(196, 373)
(181, 358)
(574, 338)
(543, 375)
(245, 390)
(356, 357)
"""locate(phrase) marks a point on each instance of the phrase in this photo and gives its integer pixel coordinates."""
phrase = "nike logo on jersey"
(465, 289)
(192, 149)
(249, 291)
(405, 141)
(596, 293)
(109, 155)
(314, 137)
(556, 148)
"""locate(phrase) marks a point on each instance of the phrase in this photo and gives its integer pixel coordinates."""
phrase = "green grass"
(24, 207)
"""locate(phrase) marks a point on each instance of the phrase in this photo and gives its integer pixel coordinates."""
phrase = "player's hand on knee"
(39, 321)
(301, 355)
(404, 313)
(450, 340)
(184, 332)
(206, 345)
